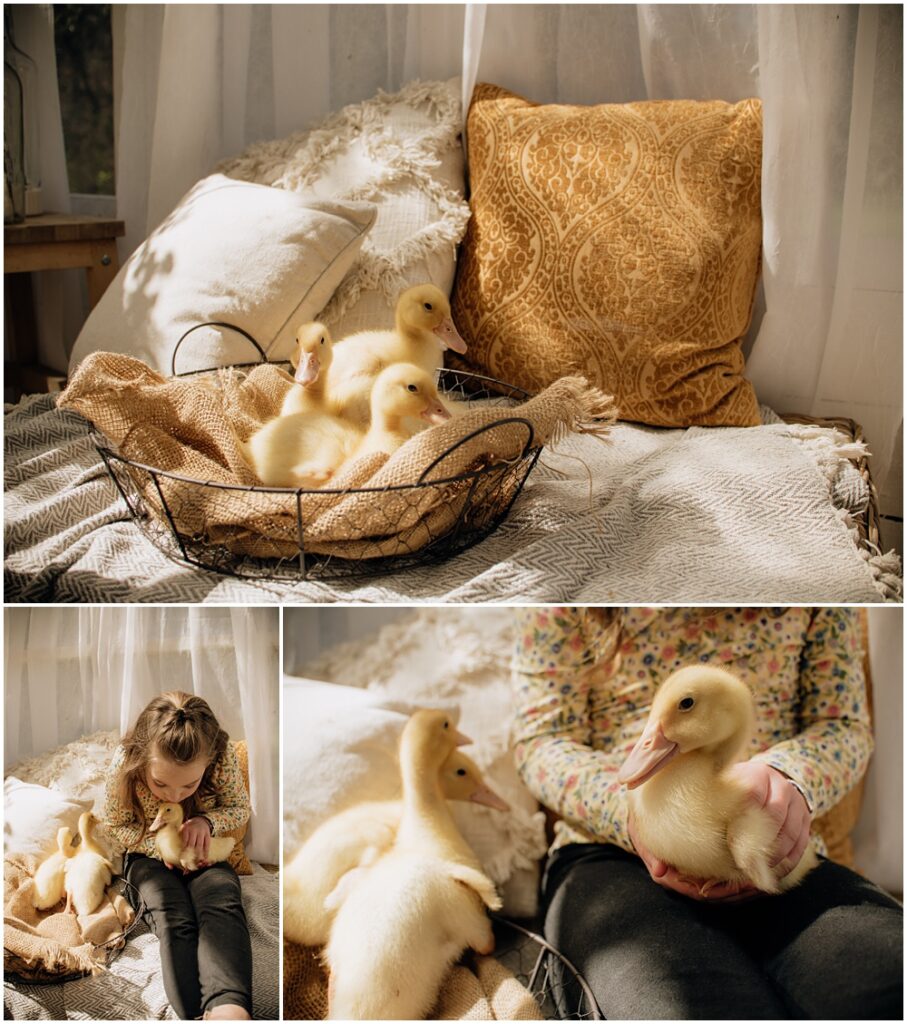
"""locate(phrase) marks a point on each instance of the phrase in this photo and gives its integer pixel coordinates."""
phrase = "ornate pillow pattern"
(617, 241)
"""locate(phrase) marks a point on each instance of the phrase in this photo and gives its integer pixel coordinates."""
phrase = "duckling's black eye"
(414, 388)
(427, 305)
(461, 771)
(686, 703)
(322, 341)
(446, 723)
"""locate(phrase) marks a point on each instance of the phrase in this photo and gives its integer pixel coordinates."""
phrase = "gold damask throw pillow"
(621, 242)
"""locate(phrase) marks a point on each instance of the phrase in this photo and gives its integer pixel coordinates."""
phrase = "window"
(84, 47)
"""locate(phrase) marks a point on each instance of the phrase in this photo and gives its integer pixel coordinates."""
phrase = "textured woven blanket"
(706, 514)
(132, 989)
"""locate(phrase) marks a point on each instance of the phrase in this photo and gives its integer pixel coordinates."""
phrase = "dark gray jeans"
(830, 948)
(206, 952)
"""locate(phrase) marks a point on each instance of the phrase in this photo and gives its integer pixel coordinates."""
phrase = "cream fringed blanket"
(188, 426)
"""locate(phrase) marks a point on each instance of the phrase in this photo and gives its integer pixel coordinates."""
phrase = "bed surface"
(705, 514)
(133, 988)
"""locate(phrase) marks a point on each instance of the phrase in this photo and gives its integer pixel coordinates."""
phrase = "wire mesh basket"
(468, 506)
(559, 990)
(112, 947)
(556, 985)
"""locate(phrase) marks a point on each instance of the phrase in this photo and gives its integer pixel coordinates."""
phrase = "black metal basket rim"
(443, 370)
(106, 451)
(541, 941)
(263, 359)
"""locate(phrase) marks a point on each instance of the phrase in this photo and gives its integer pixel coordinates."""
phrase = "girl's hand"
(196, 834)
(773, 791)
(704, 889)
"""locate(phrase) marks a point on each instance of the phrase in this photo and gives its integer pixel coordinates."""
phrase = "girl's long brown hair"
(182, 728)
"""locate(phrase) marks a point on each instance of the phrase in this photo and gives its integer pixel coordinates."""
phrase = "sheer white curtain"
(196, 83)
(70, 672)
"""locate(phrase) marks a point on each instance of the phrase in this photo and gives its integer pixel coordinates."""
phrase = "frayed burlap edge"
(190, 427)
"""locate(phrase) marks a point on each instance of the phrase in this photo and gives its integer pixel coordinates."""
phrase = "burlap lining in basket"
(485, 990)
(189, 426)
(42, 945)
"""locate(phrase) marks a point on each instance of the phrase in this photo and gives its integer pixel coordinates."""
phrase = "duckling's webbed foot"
(707, 887)
(693, 883)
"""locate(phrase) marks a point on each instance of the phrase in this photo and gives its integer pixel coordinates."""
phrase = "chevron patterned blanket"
(758, 514)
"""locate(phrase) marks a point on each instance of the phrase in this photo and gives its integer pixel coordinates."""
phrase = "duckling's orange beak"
(435, 412)
(450, 336)
(157, 823)
(486, 795)
(460, 740)
(652, 752)
(308, 369)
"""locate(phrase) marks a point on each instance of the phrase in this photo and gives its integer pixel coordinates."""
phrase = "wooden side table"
(51, 241)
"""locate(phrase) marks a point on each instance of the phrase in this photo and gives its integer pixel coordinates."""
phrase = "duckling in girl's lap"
(306, 449)
(689, 809)
(171, 848)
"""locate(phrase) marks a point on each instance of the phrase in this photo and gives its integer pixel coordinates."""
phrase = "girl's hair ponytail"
(182, 728)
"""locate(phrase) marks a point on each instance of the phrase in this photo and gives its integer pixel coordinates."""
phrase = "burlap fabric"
(485, 990)
(49, 945)
(190, 426)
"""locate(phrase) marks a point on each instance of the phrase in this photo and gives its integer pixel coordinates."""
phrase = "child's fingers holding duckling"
(782, 800)
(196, 836)
(703, 889)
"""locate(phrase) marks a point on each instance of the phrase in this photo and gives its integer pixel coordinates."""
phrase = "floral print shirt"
(227, 809)
(584, 688)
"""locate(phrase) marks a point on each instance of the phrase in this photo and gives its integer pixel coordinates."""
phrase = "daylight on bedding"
(453, 511)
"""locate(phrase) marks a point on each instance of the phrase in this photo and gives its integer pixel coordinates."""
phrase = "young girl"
(177, 753)
(648, 941)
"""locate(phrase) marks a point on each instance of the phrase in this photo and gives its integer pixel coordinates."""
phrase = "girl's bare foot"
(227, 1011)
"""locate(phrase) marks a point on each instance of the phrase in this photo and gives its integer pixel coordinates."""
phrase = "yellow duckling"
(424, 330)
(687, 809)
(312, 358)
(49, 878)
(404, 916)
(338, 845)
(402, 391)
(306, 449)
(169, 843)
(88, 872)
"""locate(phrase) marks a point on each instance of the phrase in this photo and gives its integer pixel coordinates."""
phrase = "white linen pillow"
(340, 748)
(32, 816)
(260, 259)
(401, 151)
